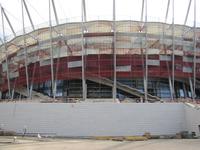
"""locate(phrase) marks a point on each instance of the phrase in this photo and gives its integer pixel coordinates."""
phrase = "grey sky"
(70, 10)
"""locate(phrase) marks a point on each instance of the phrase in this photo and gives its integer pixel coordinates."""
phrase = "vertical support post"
(191, 87)
(194, 62)
(146, 55)
(51, 53)
(141, 47)
(6, 53)
(142, 12)
(84, 11)
(173, 48)
(170, 87)
(114, 54)
(83, 53)
(169, 75)
(25, 50)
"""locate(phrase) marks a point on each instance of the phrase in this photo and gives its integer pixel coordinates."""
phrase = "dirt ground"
(8, 143)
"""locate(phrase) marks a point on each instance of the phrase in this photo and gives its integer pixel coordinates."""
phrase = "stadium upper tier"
(158, 36)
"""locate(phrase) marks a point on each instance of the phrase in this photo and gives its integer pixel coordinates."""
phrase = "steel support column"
(173, 49)
(25, 51)
(146, 56)
(84, 96)
(191, 86)
(194, 62)
(167, 12)
(169, 75)
(51, 53)
(55, 12)
(29, 16)
(6, 53)
(9, 23)
(114, 53)
(188, 10)
(84, 11)
(142, 12)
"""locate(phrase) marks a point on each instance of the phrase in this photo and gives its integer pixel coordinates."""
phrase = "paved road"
(72, 144)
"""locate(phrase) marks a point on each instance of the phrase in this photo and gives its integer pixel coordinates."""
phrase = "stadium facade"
(103, 59)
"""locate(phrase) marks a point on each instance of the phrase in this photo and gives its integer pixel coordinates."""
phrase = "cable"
(17, 19)
(35, 10)
(62, 8)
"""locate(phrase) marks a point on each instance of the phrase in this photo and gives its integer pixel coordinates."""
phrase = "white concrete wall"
(192, 116)
(93, 119)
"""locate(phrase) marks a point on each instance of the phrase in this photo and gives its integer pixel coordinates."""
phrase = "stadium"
(102, 59)
(99, 77)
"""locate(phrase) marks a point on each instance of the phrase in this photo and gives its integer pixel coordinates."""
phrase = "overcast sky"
(70, 10)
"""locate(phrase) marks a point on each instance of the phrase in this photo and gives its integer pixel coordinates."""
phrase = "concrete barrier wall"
(93, 119)
(192, 116)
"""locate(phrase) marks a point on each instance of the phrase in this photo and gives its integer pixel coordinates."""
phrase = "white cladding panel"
(187, 59)
(123, 68)
(45, 62)
(14, 74)
(152, 62)
(74, 64)
(165, 57)
(187, 69)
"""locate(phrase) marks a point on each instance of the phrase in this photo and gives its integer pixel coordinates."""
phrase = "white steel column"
(51, 53)
(114, 54)
(6, 53)
(84, 96)
(169, 75)
(188, 10)
(9, 23)
(173, 49)
(25, 50)
(29, 16)
(84, 11)
(142, 12)
(55, 12)
(146, 56)
(194, 62)
(191, 87)
(141, 46)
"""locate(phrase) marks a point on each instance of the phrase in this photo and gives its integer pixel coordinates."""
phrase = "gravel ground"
(6, 143)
